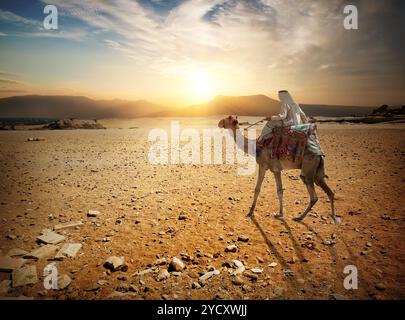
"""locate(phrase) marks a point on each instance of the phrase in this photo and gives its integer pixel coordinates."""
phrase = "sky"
(175, 52)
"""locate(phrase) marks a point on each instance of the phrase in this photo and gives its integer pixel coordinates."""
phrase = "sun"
(201, 86)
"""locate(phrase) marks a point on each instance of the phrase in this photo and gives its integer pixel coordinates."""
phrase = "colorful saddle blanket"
(292, 143)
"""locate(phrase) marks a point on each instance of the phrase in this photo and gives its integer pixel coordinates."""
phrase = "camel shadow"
(292, 283)
(294, 242)
(332, 250)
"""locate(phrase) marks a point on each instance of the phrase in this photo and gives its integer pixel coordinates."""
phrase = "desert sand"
(193, 212)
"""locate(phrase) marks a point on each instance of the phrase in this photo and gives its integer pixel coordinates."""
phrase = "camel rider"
(290, 114)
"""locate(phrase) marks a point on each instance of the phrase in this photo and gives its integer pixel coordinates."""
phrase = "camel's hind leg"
(313, 198)
(260, 178)
(279, 184)
(322, 183)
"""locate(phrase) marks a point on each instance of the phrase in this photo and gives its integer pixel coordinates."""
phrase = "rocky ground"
(116, 227)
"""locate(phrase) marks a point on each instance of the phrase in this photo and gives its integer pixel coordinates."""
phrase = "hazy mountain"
(58, 107)
(261, 105)
(73, 107)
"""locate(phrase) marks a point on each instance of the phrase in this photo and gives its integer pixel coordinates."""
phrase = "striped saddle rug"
(292, 143)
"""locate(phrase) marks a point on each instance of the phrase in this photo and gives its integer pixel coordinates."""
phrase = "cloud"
(2, 34)
(8, 81)
(7, 16)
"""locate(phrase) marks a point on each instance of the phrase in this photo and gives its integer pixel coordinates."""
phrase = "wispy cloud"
(8, 81)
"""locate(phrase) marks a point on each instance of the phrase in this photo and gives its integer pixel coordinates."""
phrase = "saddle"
(291, 143)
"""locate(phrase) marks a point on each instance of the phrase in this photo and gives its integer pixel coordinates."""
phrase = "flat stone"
(68, 250)
(50, 237)
(143, 272)
(163, 275)
(114, 263)
(8, 264)
(176, 265)
(24, 276)
(66, 225)
(273, 264)
(256, 270)
(5, 287)
(16, 253)
(232, 248)
(203, 279)
(196, 285)
(63, 281)
(42, 252)
(337, 296)
(93, 213)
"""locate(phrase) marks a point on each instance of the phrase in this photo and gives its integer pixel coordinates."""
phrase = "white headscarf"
(296, 112)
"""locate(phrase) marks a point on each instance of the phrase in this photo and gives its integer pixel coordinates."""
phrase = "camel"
(312, 172)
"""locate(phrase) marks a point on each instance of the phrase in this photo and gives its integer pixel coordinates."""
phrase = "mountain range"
(58, 107)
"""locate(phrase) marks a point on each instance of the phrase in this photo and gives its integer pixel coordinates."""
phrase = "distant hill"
(62, 107)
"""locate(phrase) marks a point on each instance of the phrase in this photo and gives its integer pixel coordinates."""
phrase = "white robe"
(290, 115)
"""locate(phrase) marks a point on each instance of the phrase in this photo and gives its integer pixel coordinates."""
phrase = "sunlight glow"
(201, 86)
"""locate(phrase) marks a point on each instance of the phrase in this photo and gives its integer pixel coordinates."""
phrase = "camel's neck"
(243, 142)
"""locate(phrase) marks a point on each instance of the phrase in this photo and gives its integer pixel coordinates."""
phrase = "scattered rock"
(273, 264)
(11, 236)
(42, 252)
(16, 253)
(237, 281)
(176, 265)
(243, 238)
(93, 287)
(256, 270)
(68, 250)
(369, 244)
(63, 281)
(114, 263)
(182, 217)
(8, 264)
(24, 276)
(31, 139)
(251, 275)
(5, 287)
(380, 286)
(160, 262)
(231, 248)
(50, 237)
(143, 272)
(203, 279)
(337, 296)
(195, 285)
(288, 273)
(93, 213)
(66, 225)
(42, 293)
(163, 275)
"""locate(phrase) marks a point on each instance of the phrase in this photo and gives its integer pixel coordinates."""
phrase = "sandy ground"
(71, 172)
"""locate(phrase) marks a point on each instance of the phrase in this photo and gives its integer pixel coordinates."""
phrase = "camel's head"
(229, 122)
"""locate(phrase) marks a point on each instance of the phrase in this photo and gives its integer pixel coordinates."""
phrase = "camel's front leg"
(279, 184)
(260, 178)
